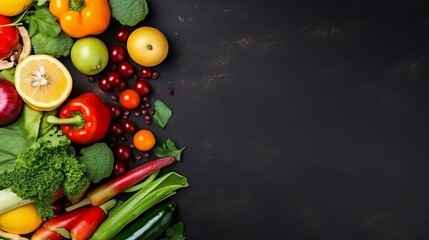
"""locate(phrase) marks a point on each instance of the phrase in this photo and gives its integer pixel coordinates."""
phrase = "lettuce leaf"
(18, 136)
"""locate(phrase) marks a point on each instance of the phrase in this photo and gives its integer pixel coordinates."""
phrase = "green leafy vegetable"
(175, 232)
(162, 113)
(98, 160)
(42, 21)
(129, 12)
(168, 148)
(56, 46)
(41, 2)
(45, 127)
(50, 163)
(18, 136)
(8, 74)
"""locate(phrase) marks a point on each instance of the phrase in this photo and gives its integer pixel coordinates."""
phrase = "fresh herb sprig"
(175, 232)
(168, 148)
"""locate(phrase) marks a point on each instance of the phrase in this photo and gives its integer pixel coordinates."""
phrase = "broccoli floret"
(129, 12)
(55, 46)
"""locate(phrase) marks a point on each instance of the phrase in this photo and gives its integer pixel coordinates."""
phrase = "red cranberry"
(58, 206)
(117, 53)
(123, 152)
(129, 126)
(104, 85)
(146, 73)
(123, 84)
(119, 168)
(113, 78)
(116, 111)
(122, 34)
(170, 91)
(116, 130)
(142, 87)
(155, 75)
(126, 69)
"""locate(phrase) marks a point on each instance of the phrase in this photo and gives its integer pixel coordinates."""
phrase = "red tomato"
(129, 99)
(9, 37)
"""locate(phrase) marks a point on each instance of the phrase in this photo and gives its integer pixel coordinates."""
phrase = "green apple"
(89, 55)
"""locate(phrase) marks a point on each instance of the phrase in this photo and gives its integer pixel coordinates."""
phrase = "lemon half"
(43, 82)
(21, 220)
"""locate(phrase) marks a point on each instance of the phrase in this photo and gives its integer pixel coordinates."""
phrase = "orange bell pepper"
(80, 18)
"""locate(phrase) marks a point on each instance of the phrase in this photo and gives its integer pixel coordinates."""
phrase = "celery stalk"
(9, 200)
(145, 198)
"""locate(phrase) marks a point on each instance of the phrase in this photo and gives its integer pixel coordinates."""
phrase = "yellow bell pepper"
(13, 7)
(80, 18)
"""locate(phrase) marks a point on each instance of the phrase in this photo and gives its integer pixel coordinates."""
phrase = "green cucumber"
(152, 225)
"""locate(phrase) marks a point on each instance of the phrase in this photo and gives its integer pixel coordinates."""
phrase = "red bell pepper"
(84, 119)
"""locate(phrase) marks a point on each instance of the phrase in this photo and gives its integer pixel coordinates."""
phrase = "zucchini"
(152, 225)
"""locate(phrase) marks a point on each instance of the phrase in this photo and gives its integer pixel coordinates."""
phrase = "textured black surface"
(302, 119)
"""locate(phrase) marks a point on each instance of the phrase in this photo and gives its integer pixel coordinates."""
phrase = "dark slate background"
(302, 119)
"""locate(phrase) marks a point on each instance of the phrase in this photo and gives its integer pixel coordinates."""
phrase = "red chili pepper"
(86, 224)
(56, 227)
(84, 119)
(9, 37)
(43, 234)
(66, 220)
(108, 190)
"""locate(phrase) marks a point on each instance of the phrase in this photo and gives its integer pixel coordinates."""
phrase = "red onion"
(10, 103)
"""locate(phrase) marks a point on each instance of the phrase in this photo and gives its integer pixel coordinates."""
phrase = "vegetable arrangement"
(67, 163)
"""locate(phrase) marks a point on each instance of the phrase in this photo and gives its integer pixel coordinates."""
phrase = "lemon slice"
(43, 82)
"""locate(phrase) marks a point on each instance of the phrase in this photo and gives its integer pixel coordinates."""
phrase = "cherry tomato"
(129, 99)
(144, 140)
(9, 37)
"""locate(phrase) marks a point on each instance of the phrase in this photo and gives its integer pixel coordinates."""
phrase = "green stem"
(17, 22)
(77, 5)
(76, 120)
(108, 205)
(143, 184)
(77, 205)
(12, 24)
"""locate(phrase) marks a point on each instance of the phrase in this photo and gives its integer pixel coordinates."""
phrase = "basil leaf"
(162, 113)
(41, 2)
(168, 149)
(42, 21)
